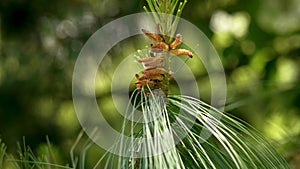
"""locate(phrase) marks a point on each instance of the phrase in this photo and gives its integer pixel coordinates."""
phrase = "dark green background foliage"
(258, 43)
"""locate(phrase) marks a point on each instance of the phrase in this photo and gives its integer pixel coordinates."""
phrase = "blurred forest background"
(258, 42)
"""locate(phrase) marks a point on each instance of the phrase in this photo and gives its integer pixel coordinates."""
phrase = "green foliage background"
(258, 42)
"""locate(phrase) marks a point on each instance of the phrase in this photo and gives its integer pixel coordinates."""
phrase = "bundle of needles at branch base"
(165, 140)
